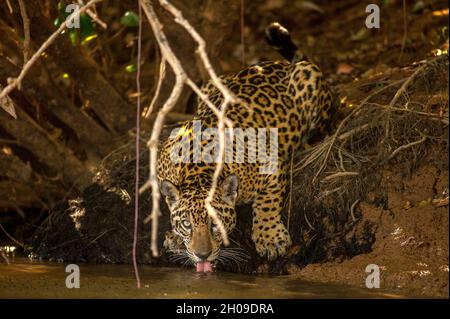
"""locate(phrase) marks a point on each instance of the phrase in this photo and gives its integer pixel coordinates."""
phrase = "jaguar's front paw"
(272, 242)
(173, 242)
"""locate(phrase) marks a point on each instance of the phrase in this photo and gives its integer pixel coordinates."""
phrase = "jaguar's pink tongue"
(204, 266)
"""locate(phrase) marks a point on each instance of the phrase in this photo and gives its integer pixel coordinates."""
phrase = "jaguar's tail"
(280, 39)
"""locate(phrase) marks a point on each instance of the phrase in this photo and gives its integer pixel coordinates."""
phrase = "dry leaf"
(7, 104)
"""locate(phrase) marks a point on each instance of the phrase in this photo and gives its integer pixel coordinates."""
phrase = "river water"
(23, 278)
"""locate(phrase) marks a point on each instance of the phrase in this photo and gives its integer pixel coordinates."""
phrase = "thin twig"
(138, 128)
(181, 79)
(94, 16)
(26, 31)
(201, 50)
(352, 209)
(405, 85)
(228, 98)
(340, 174)
(432, 116)
(353, 131)
(399, 93)
(103, 233)
(162, 75)
(206, 100)
(220, 163)
(307, 221)
(341, 158)
(152, 144)
(403, 147)
(9, 6)
(333, 139)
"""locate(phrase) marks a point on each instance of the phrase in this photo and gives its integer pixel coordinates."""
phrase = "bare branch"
(9, 6)
(403, 147)
(340, 174)
(138, 125)
(201, 50)
(405, 85)
(153, 147)
(352, 209)
(181, 79)
(211, 211)
(401, 91)
(168, 54)
(229, 97)
(94, 16)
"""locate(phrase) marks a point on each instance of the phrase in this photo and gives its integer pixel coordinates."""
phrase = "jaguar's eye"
(214, 228)
(186, 224)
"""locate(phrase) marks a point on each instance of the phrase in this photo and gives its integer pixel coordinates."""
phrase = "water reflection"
(23, 278)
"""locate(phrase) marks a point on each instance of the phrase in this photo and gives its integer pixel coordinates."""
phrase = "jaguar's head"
(191, 222)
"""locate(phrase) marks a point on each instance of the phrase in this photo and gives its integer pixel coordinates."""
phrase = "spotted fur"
(292, 96)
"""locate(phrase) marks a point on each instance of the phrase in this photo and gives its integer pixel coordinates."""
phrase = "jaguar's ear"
(230, 189)
(171, 193)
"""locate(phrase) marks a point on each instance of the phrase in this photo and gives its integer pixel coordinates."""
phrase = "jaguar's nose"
(203, 255)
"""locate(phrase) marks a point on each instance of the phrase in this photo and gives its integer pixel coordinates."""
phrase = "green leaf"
(130, 19)
(86, 31)
(86, 26)
(130, 68)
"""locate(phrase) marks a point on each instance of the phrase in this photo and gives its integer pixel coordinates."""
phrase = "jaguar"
(292, 96)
